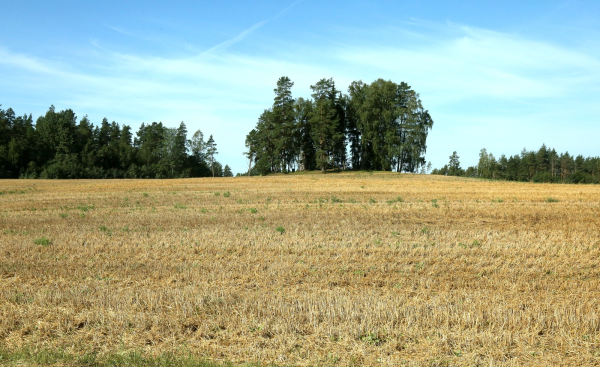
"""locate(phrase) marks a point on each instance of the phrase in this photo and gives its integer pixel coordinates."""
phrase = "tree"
(324, 121)
(303, 135)
(227, 172)
(197, 146)
(454, 165)
(211, 151)
(387, 126)
(252, 144)
(283, 123)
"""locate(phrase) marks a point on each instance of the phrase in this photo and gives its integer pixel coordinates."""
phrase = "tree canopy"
(543, 165)
(57, 145)
(377, 126)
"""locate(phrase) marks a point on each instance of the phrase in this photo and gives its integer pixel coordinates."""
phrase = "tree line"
(543, 165)
(378, 126)
(58, 146)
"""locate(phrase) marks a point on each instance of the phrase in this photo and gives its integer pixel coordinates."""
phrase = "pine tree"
(211, 151)
(282, 115)
(324, 122)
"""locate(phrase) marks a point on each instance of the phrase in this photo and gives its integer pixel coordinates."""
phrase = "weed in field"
(42, 241)
(226, 194)
(280, 230)
(552, 200)
(85, 208)
(253, 210)
(371, 338)
(372, 201)
(180, 206)
(398, 199)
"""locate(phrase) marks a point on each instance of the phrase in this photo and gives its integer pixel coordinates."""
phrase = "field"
(306, 269)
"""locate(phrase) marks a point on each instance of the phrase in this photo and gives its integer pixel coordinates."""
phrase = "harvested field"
(336, 269)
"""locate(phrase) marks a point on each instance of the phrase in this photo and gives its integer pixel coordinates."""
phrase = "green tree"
(252, 145)
(211, 151)
(454, 165)
(324, 122)
(227, 171)
(306, 148)
(197, 146)
(282, 115)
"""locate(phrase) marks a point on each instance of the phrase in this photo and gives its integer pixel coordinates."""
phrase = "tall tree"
(454, 165)
(283, 120)
(303, 135)
(211, 151)
(227, 171)
(324, 122)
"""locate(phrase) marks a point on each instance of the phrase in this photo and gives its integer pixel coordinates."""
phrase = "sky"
(500, 75)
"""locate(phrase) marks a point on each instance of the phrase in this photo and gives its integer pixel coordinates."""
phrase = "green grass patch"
(42, 241)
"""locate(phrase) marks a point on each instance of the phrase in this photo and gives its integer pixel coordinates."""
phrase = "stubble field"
(310, 269)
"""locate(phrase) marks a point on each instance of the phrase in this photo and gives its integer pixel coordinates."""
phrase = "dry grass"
(365, 269)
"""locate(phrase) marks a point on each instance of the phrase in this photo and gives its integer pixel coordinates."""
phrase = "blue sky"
(504, 75)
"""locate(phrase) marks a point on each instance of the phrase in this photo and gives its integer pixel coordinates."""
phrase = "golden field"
(307, 269)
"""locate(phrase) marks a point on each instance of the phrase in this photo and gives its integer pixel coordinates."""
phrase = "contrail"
(247, 32)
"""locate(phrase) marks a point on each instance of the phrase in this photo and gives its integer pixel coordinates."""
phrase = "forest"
(544, 165)
(58, 146)
(379, 126)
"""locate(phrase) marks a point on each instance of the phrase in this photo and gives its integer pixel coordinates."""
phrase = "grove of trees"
(543, 165)
(60, 146)
(377, 126)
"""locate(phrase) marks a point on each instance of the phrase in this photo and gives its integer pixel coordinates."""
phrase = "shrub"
(544, 177)
(582, 178)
